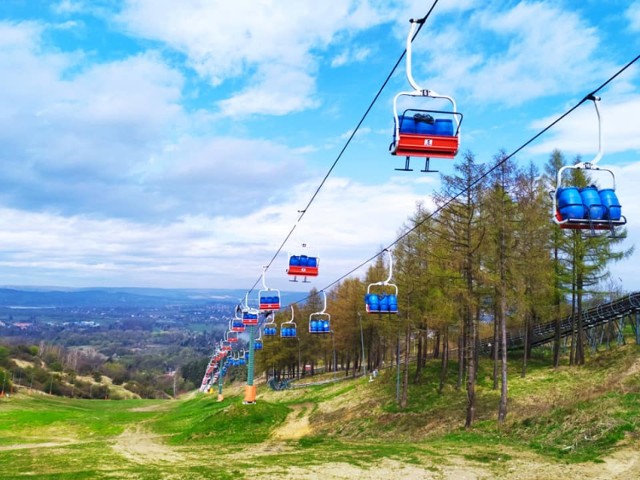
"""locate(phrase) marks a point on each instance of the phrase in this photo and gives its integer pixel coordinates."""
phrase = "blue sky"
(171, 144)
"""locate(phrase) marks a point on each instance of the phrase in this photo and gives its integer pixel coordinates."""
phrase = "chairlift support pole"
(250, 389)
(221, 379)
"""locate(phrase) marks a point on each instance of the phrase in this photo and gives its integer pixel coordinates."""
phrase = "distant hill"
(124, 297)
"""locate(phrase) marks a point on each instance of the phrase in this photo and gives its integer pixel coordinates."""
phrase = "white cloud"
(99, 8)
(67, 6)
(346, 224)
(273, 42)
(228, 175)
(351, 55)
(629, 195)
(277, 90)
(578, 133)
(68, 129)
(362, 131)
(633, 15)
(68, 25)
(84, 142)
(110, 138)
(539, 50)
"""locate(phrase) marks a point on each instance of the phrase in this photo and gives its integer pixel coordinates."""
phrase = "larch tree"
(558, 242)
(534, 266)
(499, 212)
(460, 219)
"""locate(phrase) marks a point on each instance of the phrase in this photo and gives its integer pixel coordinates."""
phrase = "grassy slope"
(568, 415)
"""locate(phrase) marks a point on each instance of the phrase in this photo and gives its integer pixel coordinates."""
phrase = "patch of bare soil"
(140, 446)
(633, 370)
(296, 425)
(623, 465)
(31, 446)
(151, 408)
(385, 470)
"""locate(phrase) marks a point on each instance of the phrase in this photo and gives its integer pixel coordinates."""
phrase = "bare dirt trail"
(158, 407)
(623, 465)
(296, 425)
(31, 446)
(141, 446)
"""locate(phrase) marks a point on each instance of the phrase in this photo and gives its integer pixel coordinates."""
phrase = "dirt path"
(30, 446)
(158, 407)
(623, 465)
(140, 446)
(296, 425)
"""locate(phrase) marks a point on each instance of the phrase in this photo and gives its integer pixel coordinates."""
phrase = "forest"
(489, 261)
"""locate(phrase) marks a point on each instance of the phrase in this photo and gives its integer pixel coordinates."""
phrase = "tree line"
(483, 257)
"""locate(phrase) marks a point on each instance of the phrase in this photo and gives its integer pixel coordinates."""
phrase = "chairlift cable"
(477, 180)
(589, 96)
(302, 212)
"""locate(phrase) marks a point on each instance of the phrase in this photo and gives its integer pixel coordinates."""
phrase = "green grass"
(572, 414)
(584, 431)
(204, 420)
(34, 416)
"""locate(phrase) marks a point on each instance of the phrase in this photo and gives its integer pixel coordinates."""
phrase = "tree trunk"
(556, 340)
(502, 256)
(525, 353)
(502, 410)
(419, 359)
(445, 359)
(496, 343)
(558, 302)
(471, 372)
(461, 356)
(572, 352)
(580, 332)
(404, 399)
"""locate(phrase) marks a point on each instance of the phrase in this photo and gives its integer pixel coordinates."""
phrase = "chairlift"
(257, 343)
(289, 329)
(241, 359)
(269, 299)
(236, 324)
(303, 265)
(231, 337)
(320, 322)
(386, 301)
(234, 358)
(588, 208)
(270, 326)
(420, 132)
(249, 314)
